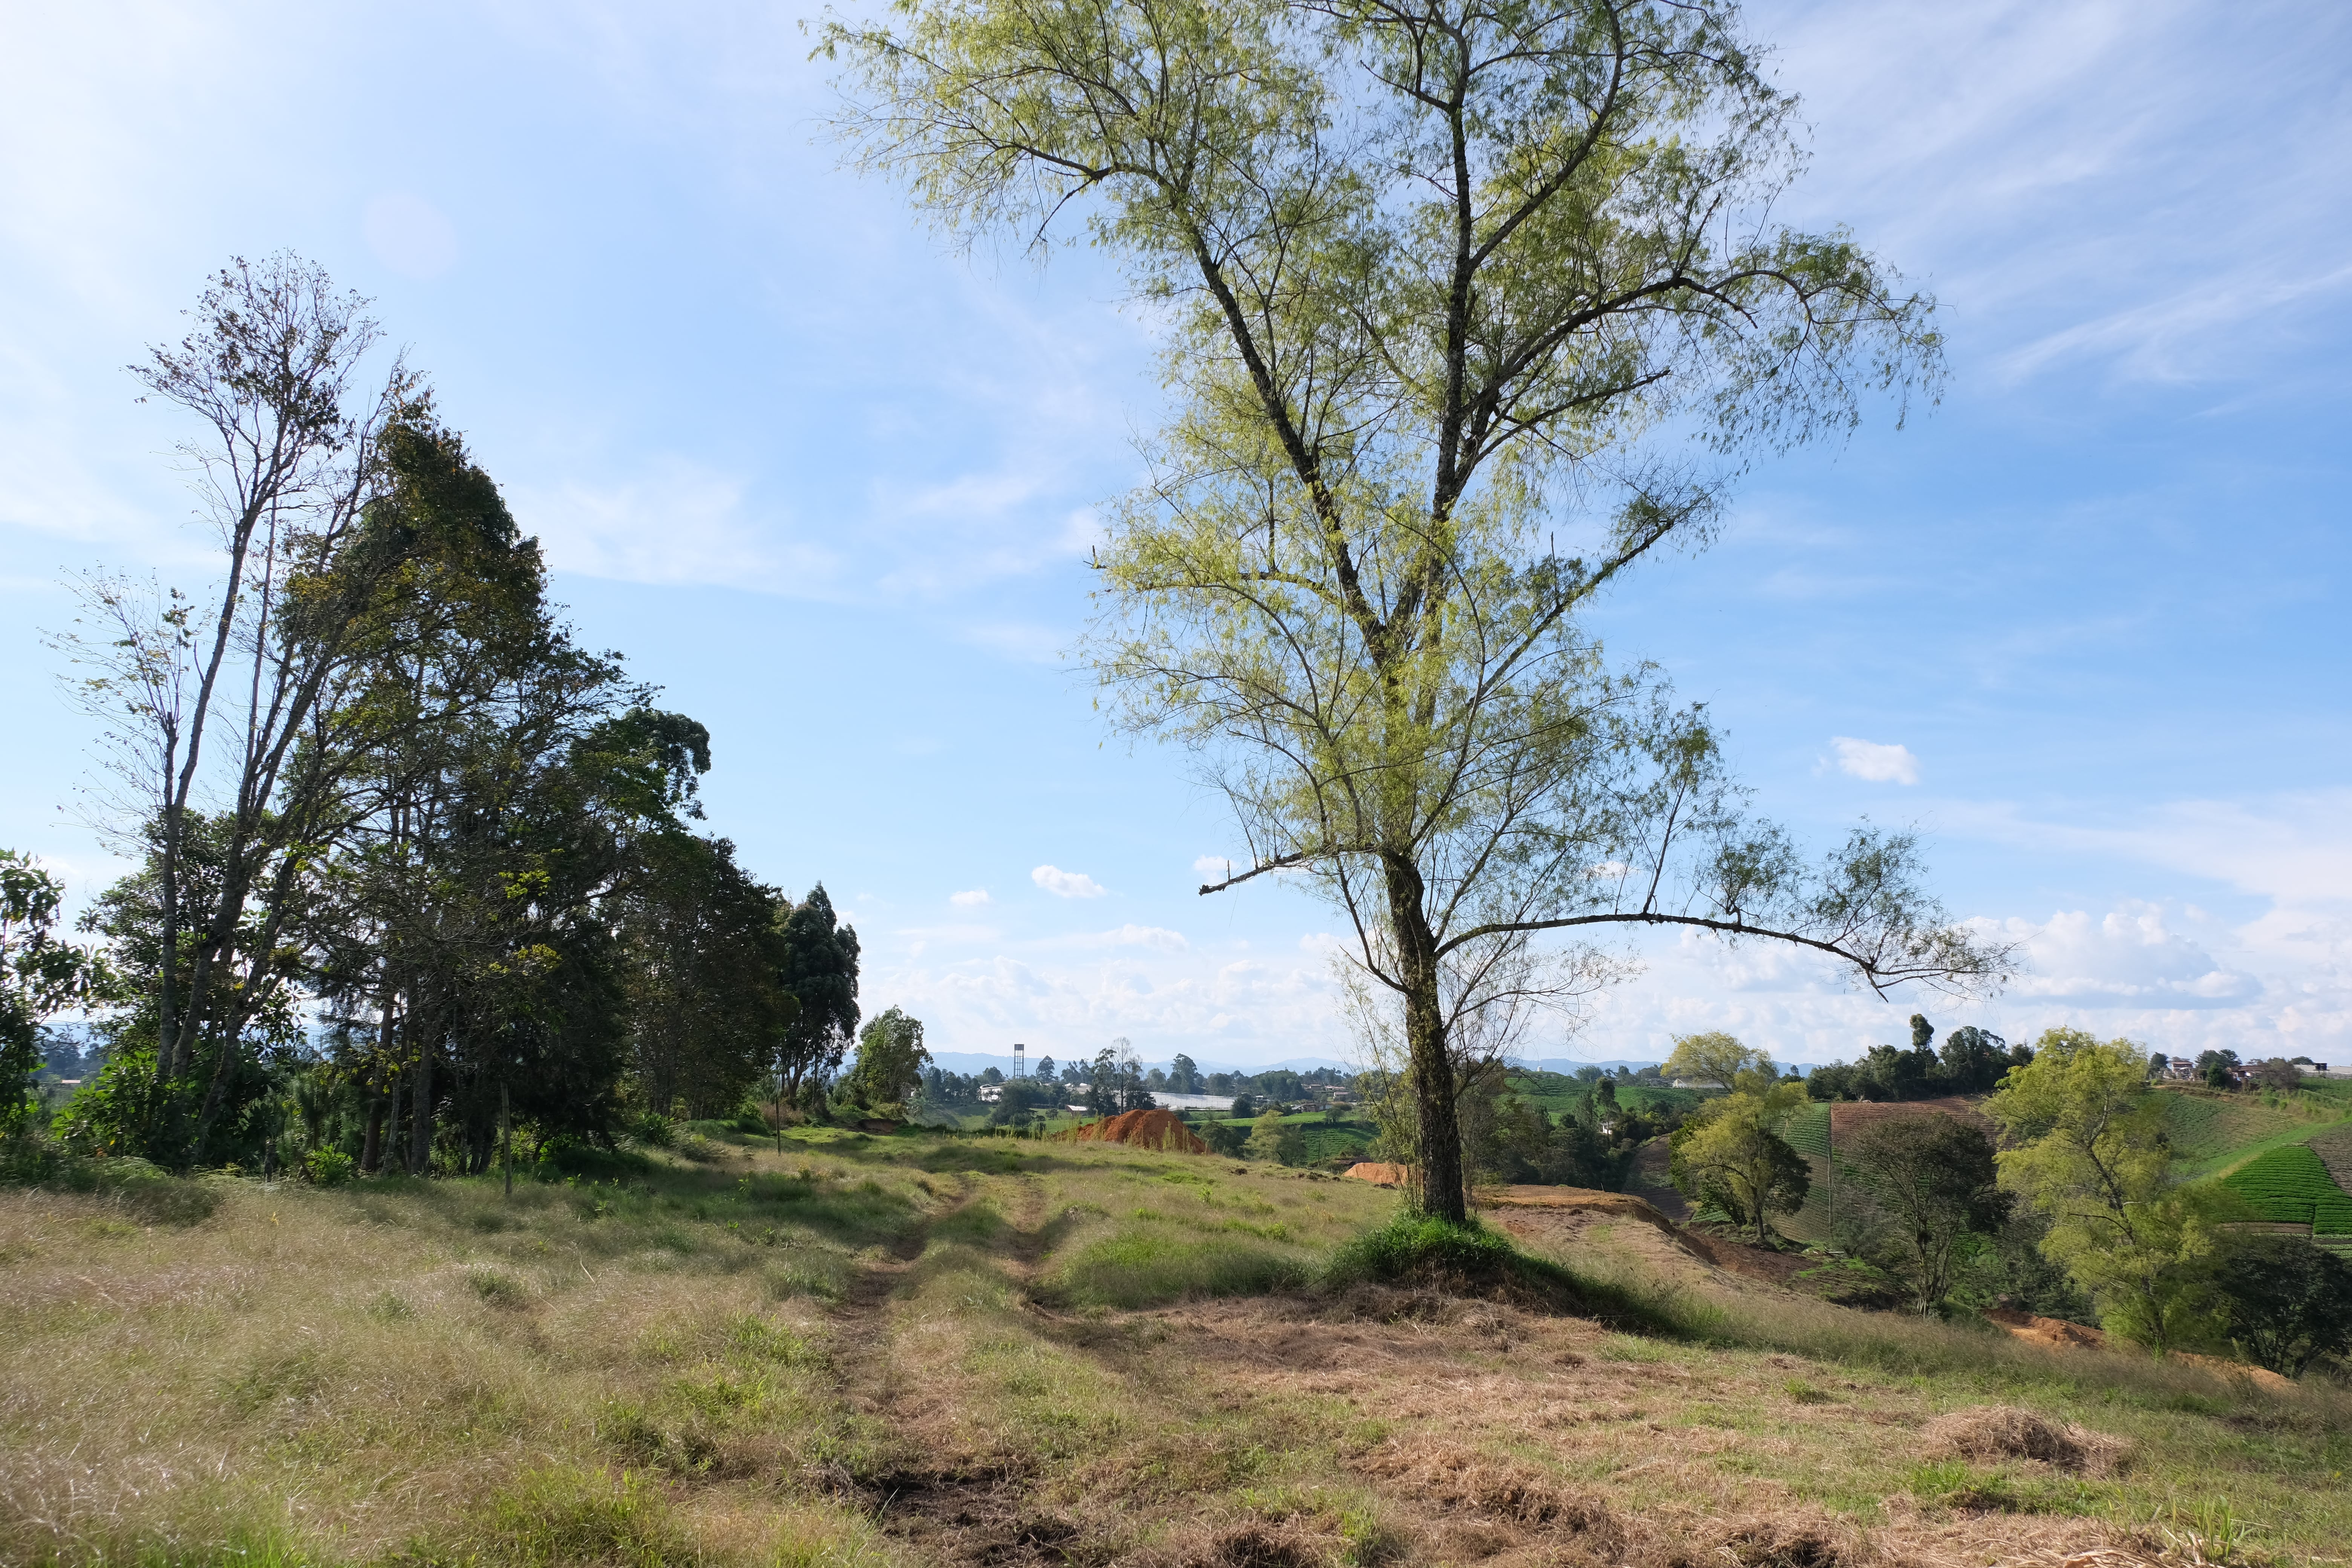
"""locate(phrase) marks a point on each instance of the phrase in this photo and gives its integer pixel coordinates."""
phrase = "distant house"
(1697, 1083)
(2181, 1067)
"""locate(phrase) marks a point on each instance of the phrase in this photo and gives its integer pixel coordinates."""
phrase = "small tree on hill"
(1734, 1161)
(2088, 1151)
(1935, 1179)
(1718, 1057)
(891, 1062)
(1276, 1140)
(2278, 1073)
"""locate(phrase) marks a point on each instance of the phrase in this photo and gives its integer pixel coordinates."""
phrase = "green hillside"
(2290, 1187)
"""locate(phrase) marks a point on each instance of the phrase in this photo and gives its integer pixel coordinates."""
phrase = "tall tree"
(819, 969)
(1430, 272)
(707, 1006)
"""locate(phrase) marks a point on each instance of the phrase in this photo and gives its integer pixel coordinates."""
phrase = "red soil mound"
(1145, 1129)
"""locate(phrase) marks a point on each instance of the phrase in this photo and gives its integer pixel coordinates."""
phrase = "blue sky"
(829, 481)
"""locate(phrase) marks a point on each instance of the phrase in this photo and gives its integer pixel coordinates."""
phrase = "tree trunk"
(420, 1125)
(395, 1116)
(1440, 1132)
(372, 1150)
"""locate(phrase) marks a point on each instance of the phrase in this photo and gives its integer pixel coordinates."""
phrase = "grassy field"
(923, 1349)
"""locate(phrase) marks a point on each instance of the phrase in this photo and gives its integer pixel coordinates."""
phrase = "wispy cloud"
(969, 898)
(679, 522)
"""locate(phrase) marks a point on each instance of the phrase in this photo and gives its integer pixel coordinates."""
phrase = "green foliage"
(39, 975)
(2289, 1302)
(890, 1061)
(819, 969)
(2291, 1186)
(1972, 1060)
(1934, 1179)
(1719, 1059)
(1272, 1138)
(1225, 1136)
(2087, 1153)
(1729, 1158)
(328, 1167)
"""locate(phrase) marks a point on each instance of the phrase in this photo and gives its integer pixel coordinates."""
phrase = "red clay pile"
(1145, 1129)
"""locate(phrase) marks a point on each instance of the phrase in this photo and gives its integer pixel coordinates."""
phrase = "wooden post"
(506, 1140)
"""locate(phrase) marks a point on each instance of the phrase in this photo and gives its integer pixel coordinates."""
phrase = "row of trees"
(386, 807)
(1972, 1061)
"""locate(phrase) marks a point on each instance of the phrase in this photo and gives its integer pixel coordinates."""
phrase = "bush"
(1226, 1138)
(1425, 1253)
(328, 1167)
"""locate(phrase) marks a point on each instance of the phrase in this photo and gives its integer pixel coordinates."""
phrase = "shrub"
(328, 1167)
(1427, 1253)
(1226, 1138)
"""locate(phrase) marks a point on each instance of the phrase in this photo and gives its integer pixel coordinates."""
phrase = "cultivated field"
(918, 1349)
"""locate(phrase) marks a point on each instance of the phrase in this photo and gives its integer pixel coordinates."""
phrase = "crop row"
(2290, 1185)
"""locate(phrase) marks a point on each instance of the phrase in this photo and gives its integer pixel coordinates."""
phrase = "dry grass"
(914, 1350)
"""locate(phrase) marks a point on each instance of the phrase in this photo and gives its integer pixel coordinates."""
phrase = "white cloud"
(1876, 763)
(2126, 957)
(969, 898)
(1068, 884)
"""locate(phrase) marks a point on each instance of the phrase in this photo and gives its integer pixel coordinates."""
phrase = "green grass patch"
(1151, 1265)
(2290, 1187)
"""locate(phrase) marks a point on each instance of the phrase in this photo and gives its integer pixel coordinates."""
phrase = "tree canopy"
(1431, 274)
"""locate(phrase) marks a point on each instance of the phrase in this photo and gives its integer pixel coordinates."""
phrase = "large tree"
(818, 968)
(2086, 1149)
(1429, 273)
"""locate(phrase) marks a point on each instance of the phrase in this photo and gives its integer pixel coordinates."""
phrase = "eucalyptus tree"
(1436, 281)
